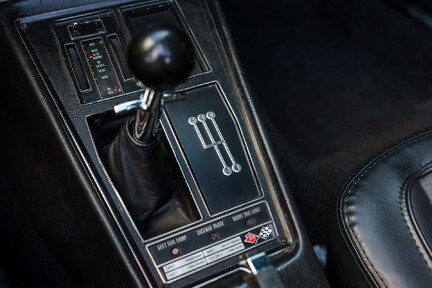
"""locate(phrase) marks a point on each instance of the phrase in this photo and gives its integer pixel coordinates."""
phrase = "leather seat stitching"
(402, 201)
(349, 194)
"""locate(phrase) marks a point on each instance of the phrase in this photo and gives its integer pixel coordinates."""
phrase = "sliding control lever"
(160, 59)
(260, 272)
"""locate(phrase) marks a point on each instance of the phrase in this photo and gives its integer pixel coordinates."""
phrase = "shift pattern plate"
(209, 136)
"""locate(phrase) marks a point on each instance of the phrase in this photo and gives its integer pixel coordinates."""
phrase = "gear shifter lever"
(160, 59)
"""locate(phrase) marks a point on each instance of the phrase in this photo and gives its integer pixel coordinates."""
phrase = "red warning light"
(91, 57)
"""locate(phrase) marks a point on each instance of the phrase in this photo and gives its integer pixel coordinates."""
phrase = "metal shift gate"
(226, 170)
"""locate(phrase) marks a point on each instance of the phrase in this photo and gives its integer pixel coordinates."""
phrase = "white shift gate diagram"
(216, 141)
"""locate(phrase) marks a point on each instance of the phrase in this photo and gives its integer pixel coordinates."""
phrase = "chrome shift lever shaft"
(159, 58)
(148, 110)
(147, 116)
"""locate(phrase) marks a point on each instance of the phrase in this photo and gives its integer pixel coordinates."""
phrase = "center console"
(217, 153)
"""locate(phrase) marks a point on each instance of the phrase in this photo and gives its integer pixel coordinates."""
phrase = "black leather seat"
(383, 234)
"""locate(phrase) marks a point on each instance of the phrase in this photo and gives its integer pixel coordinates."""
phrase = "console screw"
(282, 240)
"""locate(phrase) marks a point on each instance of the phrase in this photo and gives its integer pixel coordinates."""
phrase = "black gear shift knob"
(161, 57)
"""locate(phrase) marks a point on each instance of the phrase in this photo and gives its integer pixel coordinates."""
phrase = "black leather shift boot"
(143, 178)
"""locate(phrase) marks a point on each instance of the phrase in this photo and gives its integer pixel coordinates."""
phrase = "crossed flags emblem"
(253, 238)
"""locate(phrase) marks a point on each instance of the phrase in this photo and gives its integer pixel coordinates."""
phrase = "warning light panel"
(101, 67)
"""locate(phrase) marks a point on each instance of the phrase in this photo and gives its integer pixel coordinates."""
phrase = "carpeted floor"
(337, 82)
(25, 261)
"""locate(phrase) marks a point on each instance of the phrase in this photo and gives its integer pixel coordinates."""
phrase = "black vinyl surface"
(336, 81)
